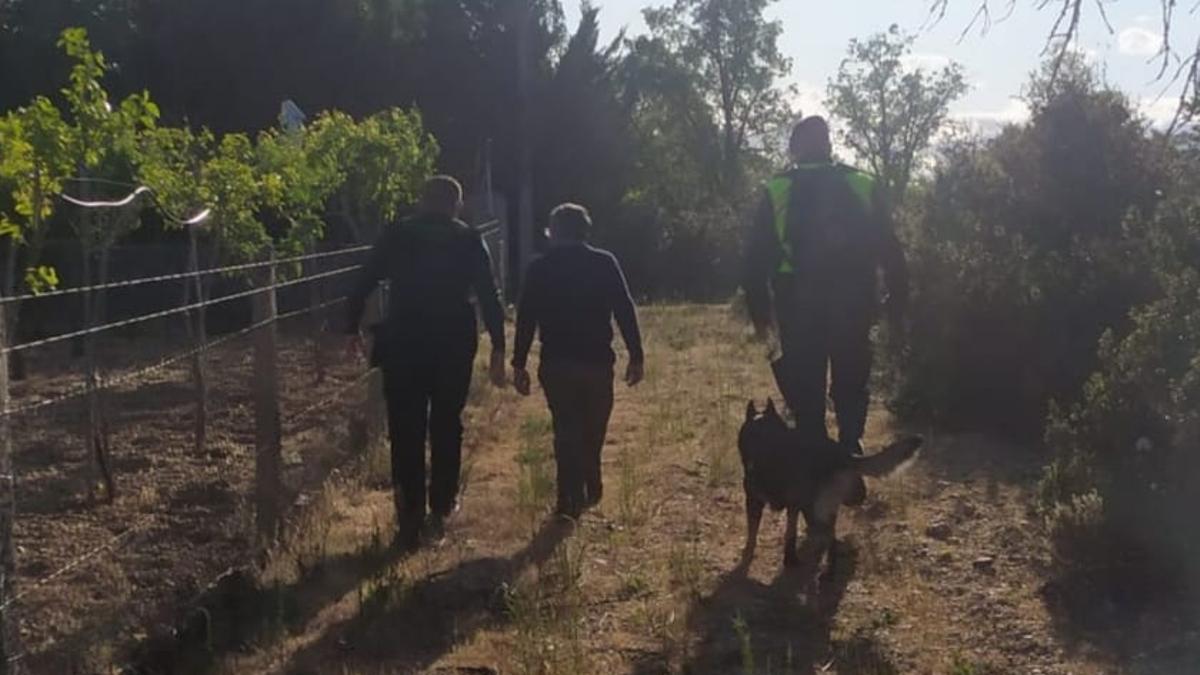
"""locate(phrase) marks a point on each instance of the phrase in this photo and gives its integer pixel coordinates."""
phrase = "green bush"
(1133, 436)
(1076, 531)
(1020, 253)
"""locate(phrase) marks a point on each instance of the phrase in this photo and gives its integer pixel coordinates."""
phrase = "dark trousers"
(580, 396)
(826, 347)
(426, 391)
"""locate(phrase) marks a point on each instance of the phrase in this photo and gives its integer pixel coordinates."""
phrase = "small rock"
(985, 563)
(938, 530)
(945, 558)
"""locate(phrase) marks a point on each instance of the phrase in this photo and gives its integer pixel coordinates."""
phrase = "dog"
(784, 472)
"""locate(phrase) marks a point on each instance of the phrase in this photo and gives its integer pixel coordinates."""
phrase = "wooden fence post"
(7, 508)
(376, 412)
(268, 436)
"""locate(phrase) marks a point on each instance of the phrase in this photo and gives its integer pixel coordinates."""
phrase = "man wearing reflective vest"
(819, 237)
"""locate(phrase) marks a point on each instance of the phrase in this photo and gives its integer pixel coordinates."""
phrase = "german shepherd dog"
(784, 472)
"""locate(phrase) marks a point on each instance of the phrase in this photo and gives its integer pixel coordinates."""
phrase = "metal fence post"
(268, 433)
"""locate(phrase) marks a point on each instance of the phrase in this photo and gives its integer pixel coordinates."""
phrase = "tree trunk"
(97, 419)
(317, 320)
(15, 366)
(198, 331)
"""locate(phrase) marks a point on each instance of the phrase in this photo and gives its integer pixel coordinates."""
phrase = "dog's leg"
(754, 511)
(832, 546)
(790, 557)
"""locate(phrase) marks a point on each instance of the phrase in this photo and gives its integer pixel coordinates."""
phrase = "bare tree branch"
(1064, 35)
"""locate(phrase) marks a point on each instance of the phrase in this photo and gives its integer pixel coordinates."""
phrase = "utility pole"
(525, 221)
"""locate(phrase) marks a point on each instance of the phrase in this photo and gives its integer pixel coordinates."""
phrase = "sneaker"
(854, 447)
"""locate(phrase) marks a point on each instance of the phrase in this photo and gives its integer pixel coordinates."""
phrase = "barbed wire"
(181, 275)
(336, 396)
(131, 376)
(175, 310)
(111, 544)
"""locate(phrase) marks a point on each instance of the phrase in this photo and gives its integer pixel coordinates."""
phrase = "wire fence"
(262, 384)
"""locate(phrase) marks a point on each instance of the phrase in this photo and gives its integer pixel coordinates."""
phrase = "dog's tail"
(890, 458)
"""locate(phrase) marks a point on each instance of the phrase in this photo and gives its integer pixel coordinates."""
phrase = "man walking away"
(570, 297)
(426, 347)
(820, 235)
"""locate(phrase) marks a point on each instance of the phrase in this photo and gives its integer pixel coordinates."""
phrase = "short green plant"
(745, 643)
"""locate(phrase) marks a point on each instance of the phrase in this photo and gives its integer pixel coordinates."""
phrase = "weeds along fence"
(141, 456)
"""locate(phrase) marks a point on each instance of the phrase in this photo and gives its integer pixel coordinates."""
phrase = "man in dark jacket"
(426, 347)
(819, 237)
(570, 297)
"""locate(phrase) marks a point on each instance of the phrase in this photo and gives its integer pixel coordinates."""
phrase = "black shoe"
(435, 528)
(853, 447)
(568, 511)
(408, 534)
(592, 497)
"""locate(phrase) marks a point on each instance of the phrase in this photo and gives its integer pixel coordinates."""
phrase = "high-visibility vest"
(779, 189)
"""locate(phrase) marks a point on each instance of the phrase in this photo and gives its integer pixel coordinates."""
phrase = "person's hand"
(355, 346)
(761, 332)
(521, 381)
(496, 372)
(635, 372)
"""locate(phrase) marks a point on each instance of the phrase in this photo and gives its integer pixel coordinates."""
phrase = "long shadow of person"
(237, 611)
(779, 627)
(411, 626)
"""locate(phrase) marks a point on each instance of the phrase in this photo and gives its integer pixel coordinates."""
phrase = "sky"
(997, 62)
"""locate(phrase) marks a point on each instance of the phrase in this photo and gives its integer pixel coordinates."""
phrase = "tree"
(103, 143)
(731, 56)
(1064, 34)
(382, 163)
(1023, 255)
(891, 112)
(584, 150)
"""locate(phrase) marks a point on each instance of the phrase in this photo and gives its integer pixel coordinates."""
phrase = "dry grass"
(648, 582)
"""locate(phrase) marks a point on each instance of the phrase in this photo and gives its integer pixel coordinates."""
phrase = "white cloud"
(1138, 41)
(1159, 110)
(989, 122)
(924, 61)
(809, 99)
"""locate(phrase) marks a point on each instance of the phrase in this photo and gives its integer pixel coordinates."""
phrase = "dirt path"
(943, 564)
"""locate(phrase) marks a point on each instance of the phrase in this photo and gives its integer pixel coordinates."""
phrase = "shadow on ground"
(416, 624)
(782, 627)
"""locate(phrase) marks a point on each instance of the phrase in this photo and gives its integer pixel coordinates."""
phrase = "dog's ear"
(751, 411)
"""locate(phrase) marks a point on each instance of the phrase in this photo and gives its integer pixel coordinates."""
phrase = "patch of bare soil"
(95, 577)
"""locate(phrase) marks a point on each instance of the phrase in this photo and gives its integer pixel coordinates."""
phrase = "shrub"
(1020, 250)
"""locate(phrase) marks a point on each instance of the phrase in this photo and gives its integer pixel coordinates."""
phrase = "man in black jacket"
(426, 347)
(570, 297)
(820, 236)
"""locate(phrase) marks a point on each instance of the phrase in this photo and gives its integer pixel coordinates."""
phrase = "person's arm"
(626, 314)
(372, 273)
(762, 256)
(488, 295)
(528, 313)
